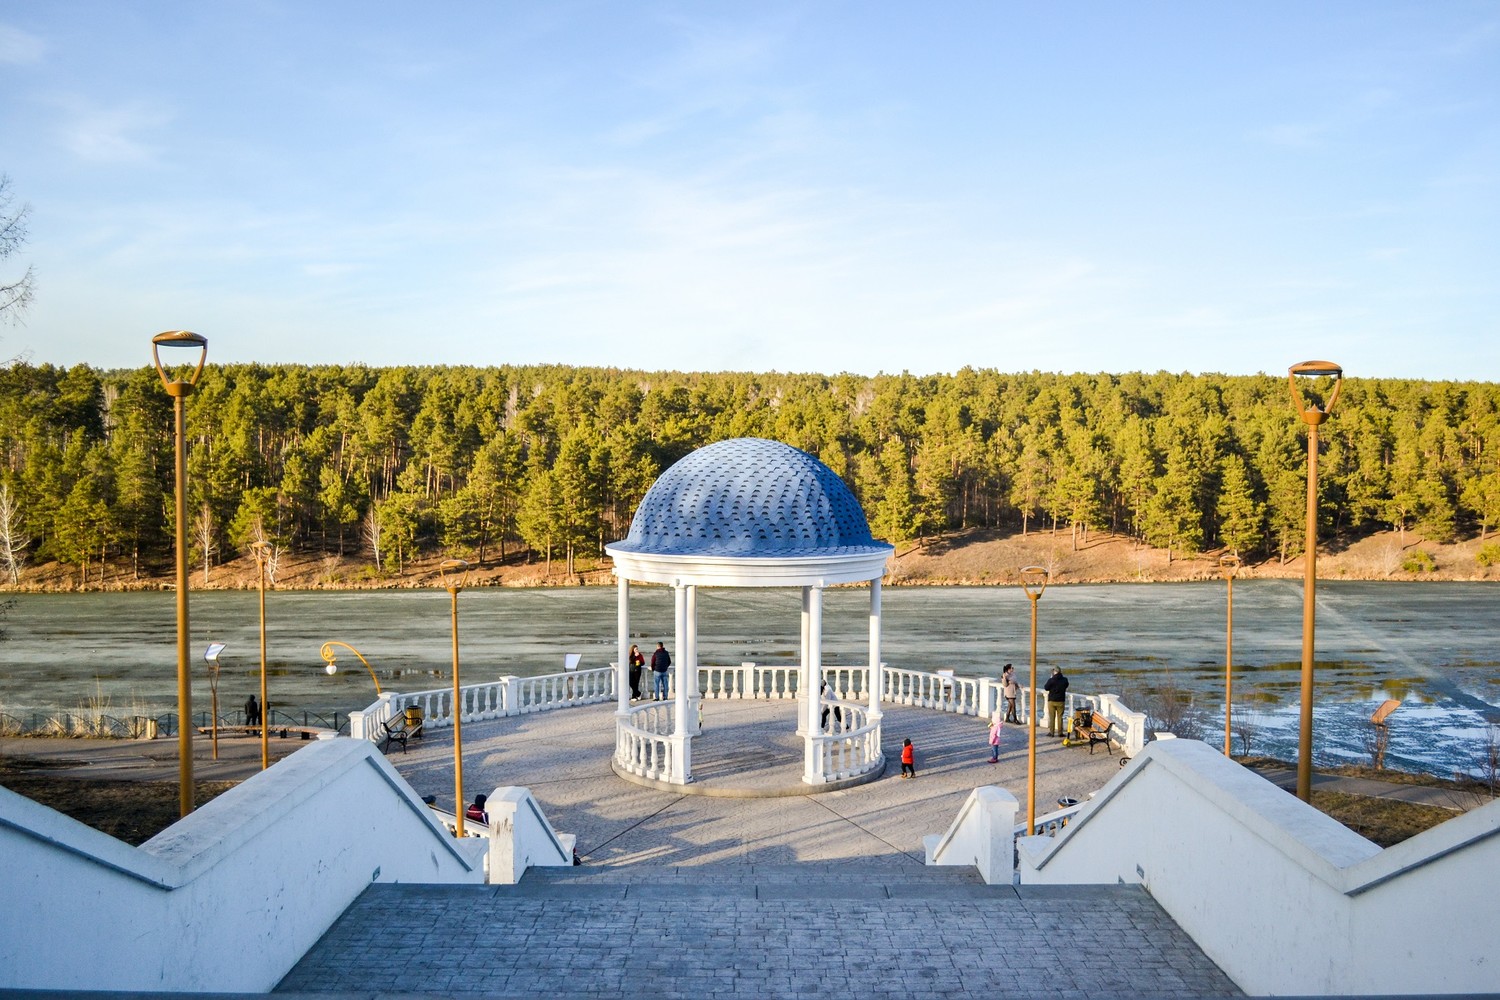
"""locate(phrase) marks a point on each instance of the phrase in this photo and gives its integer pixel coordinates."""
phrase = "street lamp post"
(1033, 581)
(327, 653)
(454, 573)
(262, 552)
(1313, 415)
(179, 390)
(1229, 565)
(211, 657)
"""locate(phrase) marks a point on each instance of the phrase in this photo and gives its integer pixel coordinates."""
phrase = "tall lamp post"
(328, 654)
(1312, 415)
(1229, 565)
(262, 552)
(454, 574)
(179, 390)
(1033, 581)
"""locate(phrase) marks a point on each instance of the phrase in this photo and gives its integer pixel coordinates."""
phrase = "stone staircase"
(830, 929)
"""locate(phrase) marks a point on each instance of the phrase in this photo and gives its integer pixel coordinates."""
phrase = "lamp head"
(1034, 580)
(331, 669)
(453, 573)
(1309, 410)
(261, 550)
(176, 339)
(1230, 565)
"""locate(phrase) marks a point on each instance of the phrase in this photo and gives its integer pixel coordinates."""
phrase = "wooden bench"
(399, 729)
(1095, 730)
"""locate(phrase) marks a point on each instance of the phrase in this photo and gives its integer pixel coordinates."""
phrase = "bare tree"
(203, 537)
(15, 295)
(13, 540)
(372, 533)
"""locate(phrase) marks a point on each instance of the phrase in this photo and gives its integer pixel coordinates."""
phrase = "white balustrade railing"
(490, 700)
(644, 741)
(850, 743)
(940, 690)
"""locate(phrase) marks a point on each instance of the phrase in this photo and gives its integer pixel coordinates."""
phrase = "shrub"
(1489, 554)
(1418, 561)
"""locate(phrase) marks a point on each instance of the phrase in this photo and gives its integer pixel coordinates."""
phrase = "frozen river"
(1435, 647)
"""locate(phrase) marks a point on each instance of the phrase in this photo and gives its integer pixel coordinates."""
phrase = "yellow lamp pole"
(262, 552)
(454, 573)
(1229, 565)
(179, 390)
(1033, 581)
(1313, 416)
(327, 653)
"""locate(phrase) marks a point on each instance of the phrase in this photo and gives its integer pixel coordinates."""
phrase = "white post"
(622, 632)
(690, 655)
(877, 679)
(812, 771)
(802, 661)
(679, 696)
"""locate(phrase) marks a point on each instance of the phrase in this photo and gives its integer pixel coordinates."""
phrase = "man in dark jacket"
(1057, 697)
(660, 664)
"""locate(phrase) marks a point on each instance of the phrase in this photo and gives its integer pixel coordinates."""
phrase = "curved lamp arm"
(327, 653)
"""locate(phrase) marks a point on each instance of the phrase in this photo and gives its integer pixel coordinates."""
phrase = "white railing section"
(644, 740)
(851, 746)
(490, 700)
(940, 690)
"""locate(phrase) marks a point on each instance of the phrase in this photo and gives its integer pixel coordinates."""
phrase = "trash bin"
(150, 729)
(413, 714)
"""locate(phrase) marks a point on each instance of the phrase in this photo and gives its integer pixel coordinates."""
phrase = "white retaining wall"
(226, 899)
(981, 835)
(1284, 899)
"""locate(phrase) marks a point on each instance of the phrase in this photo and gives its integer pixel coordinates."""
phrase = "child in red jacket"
(908, 760)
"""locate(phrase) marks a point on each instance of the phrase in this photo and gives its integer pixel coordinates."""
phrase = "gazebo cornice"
(698, 570)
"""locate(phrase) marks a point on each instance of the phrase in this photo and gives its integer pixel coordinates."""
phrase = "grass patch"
(1383, 821)
(132, 811)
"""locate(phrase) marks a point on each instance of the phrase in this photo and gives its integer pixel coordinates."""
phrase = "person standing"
(637, 663)
(252, 712)
(1010, 690)
(996, 728)
(1057, 697)
(661, 662)
(908, 759)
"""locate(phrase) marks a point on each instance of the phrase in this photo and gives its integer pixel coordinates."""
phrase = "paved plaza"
(781, 895)
(564, 758)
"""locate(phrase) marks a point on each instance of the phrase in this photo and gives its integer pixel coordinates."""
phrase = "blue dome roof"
(749, 497)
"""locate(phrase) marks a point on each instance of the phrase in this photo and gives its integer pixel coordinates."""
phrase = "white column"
(690, 654)
(679, 693)
(622, 632)
(877, 676)
(812, 771)
(802, 662)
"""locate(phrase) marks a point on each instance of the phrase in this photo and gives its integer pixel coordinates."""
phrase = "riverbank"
(976, 557)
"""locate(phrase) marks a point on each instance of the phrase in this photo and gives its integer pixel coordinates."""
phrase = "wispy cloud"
(20, 48)
(110, 135)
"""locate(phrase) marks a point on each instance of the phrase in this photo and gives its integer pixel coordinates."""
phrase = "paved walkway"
(564, 758)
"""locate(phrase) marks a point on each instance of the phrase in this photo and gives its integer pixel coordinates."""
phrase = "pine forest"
(526, 463)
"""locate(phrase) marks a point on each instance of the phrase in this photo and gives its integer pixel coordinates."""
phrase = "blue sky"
(825, 186)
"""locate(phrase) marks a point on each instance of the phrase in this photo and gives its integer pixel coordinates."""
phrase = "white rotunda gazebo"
(747, 513)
